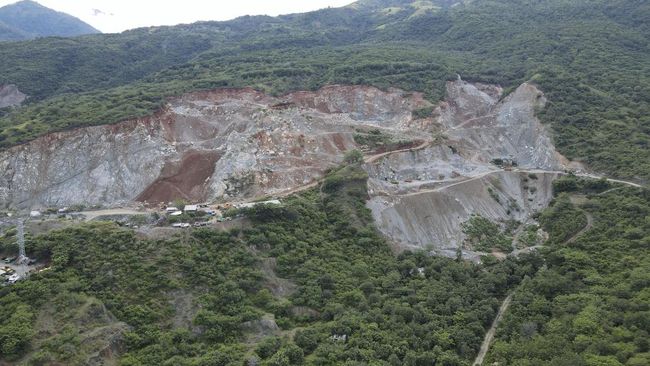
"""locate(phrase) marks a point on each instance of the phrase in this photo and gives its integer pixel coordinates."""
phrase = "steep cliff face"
(10, 96)
(224, 144)
(433, 218)
(87, 166)
(422, 198)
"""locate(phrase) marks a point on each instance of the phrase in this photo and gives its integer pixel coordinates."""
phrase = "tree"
(353, 157)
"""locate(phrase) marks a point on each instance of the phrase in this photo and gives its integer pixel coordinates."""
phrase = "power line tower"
(20, 234)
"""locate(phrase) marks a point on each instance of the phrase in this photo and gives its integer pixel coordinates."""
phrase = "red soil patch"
(187, 179)
(339, 142)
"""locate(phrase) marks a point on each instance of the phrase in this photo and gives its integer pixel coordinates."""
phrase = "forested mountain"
(27, 20)
(312, 281)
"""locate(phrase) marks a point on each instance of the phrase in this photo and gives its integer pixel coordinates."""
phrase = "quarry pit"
(430, 166)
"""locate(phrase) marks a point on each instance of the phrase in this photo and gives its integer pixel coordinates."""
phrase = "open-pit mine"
(431, 167)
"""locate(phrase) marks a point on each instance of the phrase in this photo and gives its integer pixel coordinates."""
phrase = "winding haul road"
(489, 336)
(90, 215)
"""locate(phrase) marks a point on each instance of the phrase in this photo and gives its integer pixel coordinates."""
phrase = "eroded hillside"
(491, 157)
(221, 145)
(431, 168)
(10, 96)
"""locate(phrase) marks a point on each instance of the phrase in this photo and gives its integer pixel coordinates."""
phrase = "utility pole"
(20, 238)
(20, 233)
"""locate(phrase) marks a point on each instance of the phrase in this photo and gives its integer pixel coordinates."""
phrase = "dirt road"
(368, 159)
(489, 336)
(456, 181)
(590, 224)
(91, 215)
(594, 176)
(373, 158)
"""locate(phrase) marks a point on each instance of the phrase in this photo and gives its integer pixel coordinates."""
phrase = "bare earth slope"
(225, 144)
(421, 199)
(10, 96)
(240, 144)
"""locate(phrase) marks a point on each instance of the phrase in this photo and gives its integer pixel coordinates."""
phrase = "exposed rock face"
(434, 217)
(421, 198)
(10, 96)
(96, 165)
(225, 144)
(237, 144)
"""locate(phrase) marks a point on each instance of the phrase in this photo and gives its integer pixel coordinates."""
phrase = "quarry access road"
(91, 215)
(611, 180)
(489, 336)
(367, 160)
(456, 182)
(588, 226)
(372, 158)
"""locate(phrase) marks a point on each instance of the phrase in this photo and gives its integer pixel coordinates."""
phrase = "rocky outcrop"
(238, 144)
(433, 218)
(96, 165)
(491, 157)
(228, 144)
(10, 96)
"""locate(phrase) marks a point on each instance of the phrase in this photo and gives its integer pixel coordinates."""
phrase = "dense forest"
(201, 298)
(317, 268)
(589, 304)
(589, 57)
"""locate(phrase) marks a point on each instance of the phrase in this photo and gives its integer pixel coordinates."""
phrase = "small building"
(191, 208)
(35, 214)
(63, 210)
(171, 209)
(181, 225)
(176, 213)
(13, 278)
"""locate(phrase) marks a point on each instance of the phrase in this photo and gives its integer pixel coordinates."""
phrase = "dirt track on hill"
(489, 336)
